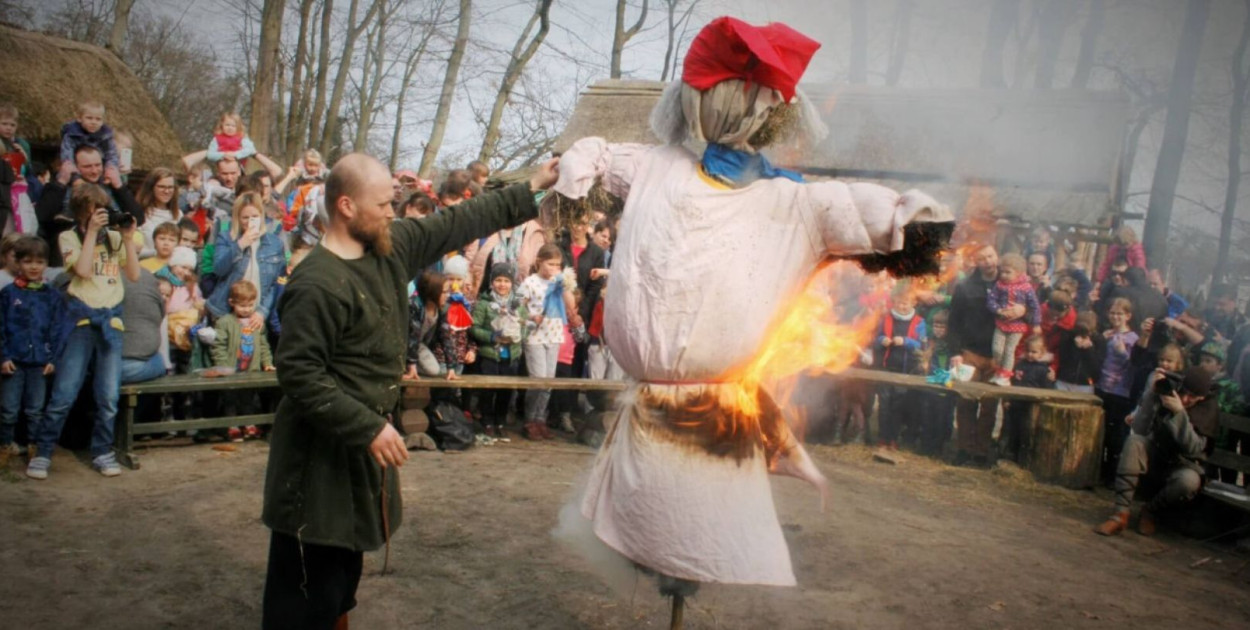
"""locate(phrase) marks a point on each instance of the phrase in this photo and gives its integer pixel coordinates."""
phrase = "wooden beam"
(970, 390)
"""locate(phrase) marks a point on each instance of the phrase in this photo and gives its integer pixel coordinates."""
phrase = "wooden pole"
(679, 607)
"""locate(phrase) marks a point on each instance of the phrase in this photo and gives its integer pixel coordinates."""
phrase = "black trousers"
(493, 403)
(308, 589)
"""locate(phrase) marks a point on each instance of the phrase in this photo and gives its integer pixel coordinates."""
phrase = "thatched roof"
(1049, 155)
(45, 77)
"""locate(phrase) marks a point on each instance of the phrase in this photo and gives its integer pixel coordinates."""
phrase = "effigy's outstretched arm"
(881, 229)
(594, 175)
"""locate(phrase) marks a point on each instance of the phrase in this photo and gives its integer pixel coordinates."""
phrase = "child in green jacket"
(499, 329)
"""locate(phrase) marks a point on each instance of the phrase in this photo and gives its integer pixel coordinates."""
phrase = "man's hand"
(66, 172)
(595, 274)
(255, 321)
(546, 175)
(1147, 326)
(388, 448)
(112, 177)
(1015, 311)
(7, 368)
(1172, 403)
(48, 369)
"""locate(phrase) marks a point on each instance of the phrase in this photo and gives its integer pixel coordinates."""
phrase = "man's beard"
(378, 239)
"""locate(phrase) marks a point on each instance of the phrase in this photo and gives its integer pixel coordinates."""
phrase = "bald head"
(353, 177)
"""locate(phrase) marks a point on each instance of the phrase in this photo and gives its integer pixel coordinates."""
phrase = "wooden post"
(124, 439)
(1063, 444)
(679, 607)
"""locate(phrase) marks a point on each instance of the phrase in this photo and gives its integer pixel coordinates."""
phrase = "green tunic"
(344, 335)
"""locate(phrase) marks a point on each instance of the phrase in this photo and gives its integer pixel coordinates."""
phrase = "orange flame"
(811, 336)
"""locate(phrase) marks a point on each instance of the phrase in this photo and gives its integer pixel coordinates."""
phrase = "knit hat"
(456, 267)
(1197, 382)
(498, 270)
(1214, 349)
(182, 257)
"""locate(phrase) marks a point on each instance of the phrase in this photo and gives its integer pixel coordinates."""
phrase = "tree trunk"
(323, 70)
(622, 35)
(859, 41)
(1175, 133)
(1236, 116)
(262, 90)
(280, 112)
(370, 98)
(1056, 15)
(516, 66)
(1003, 16)
(1089, 43)
(670, 46)
(1062, 444)
(330, 136)
(299, 99)
(449, 90)
(410, 70)
(902, 41)
(121, 23)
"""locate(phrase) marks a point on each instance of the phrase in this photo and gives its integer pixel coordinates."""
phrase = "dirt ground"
(179, 544)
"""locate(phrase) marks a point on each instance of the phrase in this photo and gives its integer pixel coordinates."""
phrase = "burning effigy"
(708, 303)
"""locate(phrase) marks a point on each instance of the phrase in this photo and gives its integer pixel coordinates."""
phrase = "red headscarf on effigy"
(775, 56)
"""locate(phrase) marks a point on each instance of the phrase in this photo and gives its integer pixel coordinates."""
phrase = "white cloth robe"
(698, 274)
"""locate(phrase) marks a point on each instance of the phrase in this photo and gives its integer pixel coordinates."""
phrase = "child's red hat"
(775, 55)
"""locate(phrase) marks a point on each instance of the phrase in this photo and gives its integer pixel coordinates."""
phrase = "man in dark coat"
(53, 209)
(331, 487)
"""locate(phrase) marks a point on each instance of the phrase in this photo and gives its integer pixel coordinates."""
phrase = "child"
(1115, 381)
(165, 238)
(32, 340)
(88, 128)
(95, 299)
(424, 305)
(1041, 243)
(547, 294)
(10, 270)
(185, 305)
(242, 347)
(499, 329)
(189, 234)
(230, 140)
(453, 348)
(899, 341)
(299, 250)
(1035, 267)
(938, 410)
(16, 151)
(1080, 355)
(1127, 248)
(1058, 317)
(1033, 370)
(1011, 289)
(564, 401)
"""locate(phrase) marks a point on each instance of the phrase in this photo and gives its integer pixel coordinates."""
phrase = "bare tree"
(1175, 132)
(448, 93)
(375, 71)
(330, 134)
(1055, 17)
(522, 52)
(1236, 118)
(1089, 43)
(121, 23)
(900, 35)
(323, 70)
(676, 23)
(1002, 20)
(300, 87)
(411, 63)
(621, 35)
(266, 73)
(859, 41)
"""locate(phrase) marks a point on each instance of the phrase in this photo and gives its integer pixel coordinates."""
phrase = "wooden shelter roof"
(46, 77)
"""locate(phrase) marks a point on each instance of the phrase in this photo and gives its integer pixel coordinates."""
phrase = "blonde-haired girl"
(230, 140)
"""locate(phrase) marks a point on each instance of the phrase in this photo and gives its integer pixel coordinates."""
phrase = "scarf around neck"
(739, 168)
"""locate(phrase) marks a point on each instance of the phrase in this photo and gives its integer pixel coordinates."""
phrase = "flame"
(811, 336)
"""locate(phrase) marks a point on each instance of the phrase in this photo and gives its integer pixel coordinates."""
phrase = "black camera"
(120, 219)
(1169, 383)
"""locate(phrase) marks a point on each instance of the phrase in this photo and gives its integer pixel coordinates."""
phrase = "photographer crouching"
(1172, 431)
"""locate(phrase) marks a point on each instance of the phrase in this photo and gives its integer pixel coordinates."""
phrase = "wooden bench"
(1226, 493)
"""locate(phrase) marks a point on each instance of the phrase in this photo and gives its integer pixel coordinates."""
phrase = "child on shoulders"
(1013, 288)
(88, 129)
(230, 140)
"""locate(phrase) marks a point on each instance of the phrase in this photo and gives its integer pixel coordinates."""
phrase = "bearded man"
(331, 488)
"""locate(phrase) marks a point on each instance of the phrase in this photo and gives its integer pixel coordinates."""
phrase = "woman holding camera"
(249, 248)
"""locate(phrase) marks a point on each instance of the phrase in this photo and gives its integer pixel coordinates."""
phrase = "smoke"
(575, 533)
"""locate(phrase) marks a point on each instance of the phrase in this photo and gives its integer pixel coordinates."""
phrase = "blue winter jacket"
(33, 326)
(230, 264)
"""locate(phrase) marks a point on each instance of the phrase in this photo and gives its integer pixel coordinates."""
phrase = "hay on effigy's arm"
(557, 211)
(923, 244)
